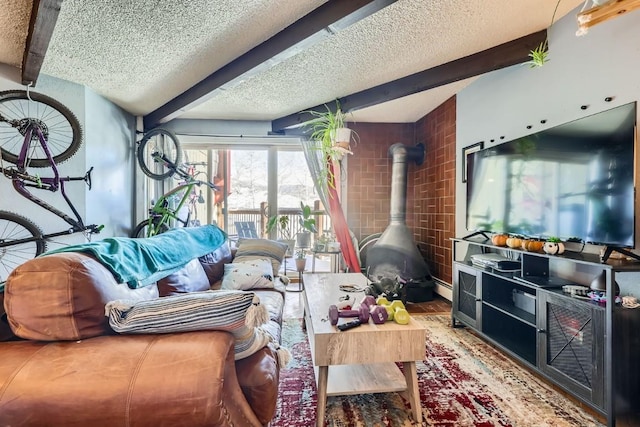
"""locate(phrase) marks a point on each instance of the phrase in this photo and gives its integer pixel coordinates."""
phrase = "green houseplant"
(308, 224)
(281, 222)
(332, 136)
(540, 55)
(301, 260)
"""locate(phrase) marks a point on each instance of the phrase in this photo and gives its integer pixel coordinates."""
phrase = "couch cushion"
(190, 278)
(62, 297)
(223, 310)
(245, 275)
(213, 263)
(251, 249)
(183, 379)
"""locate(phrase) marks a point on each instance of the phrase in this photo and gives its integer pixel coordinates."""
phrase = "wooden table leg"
(323, 375)
(413, 395)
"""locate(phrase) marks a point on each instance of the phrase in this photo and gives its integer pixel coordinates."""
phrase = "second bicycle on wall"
(37, 133)
(159, 156)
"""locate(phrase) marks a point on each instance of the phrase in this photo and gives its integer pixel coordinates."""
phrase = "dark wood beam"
(331, 16)
(501, 56)
(44, 16)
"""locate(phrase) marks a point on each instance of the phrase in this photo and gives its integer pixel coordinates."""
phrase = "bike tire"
(163, 141)
(61, 128)
(15, 227)
(141, 230)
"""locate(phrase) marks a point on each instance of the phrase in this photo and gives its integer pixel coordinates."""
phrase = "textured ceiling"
(141, 54)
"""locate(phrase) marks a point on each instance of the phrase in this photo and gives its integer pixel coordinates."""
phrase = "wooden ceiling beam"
(598, 14)
(501, 56)
(332, 16)
(44, 15)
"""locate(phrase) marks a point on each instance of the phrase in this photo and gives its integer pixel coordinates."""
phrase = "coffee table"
(362, 359)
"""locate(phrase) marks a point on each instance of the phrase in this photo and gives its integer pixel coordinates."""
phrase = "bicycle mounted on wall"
(167, 208)
(41, 133)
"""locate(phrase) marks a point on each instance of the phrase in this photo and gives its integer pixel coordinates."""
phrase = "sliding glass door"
(255, 184)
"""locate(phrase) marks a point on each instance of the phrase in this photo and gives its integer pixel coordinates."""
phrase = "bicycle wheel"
(59, 126)
(161, 141)
(142, 230)
(15, 227)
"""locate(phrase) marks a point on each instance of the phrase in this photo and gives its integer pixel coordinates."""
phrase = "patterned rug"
(463, 382)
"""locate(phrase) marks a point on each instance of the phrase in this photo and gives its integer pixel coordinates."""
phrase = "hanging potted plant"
(332, 135)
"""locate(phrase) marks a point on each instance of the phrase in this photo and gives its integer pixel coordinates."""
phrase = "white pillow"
(245, 275)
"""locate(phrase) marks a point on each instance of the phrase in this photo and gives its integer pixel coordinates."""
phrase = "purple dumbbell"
(362, 313)
(379, 314)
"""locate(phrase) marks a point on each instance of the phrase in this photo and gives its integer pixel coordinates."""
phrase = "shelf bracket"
(477, 233)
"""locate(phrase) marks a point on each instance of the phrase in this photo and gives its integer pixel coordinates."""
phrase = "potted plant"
(301, 260)
(334, 138)
(281, 223)
(553, 246)
(308, 224)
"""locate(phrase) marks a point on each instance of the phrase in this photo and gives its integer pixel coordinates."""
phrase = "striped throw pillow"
(237, 312)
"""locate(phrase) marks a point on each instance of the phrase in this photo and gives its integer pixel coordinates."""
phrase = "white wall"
(582, 71)
(107, 142)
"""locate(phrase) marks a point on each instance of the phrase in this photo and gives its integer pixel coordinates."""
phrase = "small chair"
(246, 230)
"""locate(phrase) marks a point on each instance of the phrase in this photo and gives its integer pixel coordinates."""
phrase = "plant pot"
(303, 239)
(341, 135)
(553, 248)
(301, 263)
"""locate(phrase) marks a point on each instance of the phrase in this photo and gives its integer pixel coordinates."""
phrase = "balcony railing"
(260, 220)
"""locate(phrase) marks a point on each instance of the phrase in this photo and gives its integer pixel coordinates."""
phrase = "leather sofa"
(66, 367)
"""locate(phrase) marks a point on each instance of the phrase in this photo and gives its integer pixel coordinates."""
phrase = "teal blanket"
(142, 262)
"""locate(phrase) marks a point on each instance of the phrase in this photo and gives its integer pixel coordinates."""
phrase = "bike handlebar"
(161, 157)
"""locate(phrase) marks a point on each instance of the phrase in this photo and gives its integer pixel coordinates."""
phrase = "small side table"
(335, 259)
(290, 287)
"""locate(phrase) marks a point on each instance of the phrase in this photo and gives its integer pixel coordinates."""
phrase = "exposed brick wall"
(435, 207)
(430, 187)
(369, 175)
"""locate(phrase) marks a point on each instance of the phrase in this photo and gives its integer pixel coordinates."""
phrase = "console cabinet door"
(571, 344)
(467, 290)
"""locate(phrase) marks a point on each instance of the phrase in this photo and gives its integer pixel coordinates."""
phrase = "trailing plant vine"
(540, 55)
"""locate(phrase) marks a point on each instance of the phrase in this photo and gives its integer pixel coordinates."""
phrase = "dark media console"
(588, 349)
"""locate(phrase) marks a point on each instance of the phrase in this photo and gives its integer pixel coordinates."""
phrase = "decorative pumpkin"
(499, 239)
(532, 245)
(553, 248)
(514, 242)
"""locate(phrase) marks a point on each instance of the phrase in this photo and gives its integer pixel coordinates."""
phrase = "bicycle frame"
(160, 214)
(21, 180)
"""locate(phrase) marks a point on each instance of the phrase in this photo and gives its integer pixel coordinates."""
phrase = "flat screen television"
(574, 181)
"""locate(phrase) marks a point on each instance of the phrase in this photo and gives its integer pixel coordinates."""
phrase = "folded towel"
(141, 262)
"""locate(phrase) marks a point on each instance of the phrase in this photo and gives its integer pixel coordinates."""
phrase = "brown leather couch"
(66, 367)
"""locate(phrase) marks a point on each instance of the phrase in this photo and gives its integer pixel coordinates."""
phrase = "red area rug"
(463, 382)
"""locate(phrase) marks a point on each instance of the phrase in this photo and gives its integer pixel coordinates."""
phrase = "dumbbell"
(395, 309)
(377, 313)
(362, 313)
